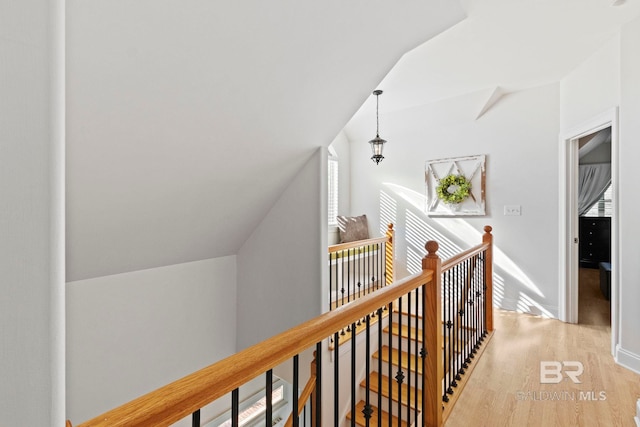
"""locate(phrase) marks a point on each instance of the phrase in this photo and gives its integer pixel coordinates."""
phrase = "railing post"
(432, 363)
(488, 238)
(388, 256)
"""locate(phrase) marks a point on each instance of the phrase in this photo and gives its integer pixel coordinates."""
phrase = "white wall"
(593, 87)
(131, 333)
(279, 267)
(629, 204)
(31, 213)
(519, 136)
(610, 77)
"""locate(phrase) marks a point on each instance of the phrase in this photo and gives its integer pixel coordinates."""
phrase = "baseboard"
(628, 359)
(528, 306)
(637, 417)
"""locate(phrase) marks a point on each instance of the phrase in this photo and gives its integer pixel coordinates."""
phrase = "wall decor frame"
(456, 186)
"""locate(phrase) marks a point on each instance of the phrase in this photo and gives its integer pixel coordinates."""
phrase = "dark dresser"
(595, 240)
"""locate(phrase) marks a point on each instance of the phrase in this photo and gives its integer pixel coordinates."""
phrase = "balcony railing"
(404, 370)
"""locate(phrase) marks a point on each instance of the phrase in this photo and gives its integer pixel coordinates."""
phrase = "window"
(603, 206)
(333, 188)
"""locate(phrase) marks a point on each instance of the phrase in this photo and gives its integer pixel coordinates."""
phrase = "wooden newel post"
(388, 255)
(432, 363)
(488, 238)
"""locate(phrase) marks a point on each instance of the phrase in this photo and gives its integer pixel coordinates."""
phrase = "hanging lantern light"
(377, 143)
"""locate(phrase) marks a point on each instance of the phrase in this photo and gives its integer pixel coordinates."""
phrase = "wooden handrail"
(463, 256)
(174, 401)
(356, 244)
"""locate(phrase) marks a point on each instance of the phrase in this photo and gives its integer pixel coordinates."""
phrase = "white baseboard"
(528, 307)
(628, 359)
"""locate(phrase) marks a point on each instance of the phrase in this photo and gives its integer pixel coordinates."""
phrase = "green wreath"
(453, 189)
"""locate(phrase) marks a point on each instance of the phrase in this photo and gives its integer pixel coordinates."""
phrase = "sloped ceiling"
(503, 46)
(187, 118)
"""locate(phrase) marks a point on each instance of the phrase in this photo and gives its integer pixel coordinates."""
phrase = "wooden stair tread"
(410, 333)
(398, 359)
(419, 316)
(373, 421)
(406, 389)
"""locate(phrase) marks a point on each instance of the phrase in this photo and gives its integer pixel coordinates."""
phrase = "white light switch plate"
(512, 210)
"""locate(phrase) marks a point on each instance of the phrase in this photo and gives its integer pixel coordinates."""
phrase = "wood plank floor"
(505, 388)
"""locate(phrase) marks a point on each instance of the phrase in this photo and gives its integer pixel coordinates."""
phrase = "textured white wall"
(519, 136)
(31, 213)
(131, 333)
(629, 176)
(280, 274)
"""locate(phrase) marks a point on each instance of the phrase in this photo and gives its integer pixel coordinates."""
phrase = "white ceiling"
(187, 118)
(503, 46)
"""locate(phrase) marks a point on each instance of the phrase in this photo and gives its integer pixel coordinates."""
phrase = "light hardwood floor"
(505, 388)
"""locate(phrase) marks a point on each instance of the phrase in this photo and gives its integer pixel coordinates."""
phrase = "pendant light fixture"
(377, 143)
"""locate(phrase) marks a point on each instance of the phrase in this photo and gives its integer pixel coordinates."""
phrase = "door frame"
(568, 221)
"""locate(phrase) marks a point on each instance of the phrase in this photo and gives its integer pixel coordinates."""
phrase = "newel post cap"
(432, 247)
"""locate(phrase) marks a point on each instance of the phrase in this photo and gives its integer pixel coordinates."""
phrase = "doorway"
(570, 256)
(594, 229)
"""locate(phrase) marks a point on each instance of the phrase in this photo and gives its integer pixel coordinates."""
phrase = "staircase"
(401, 401)
(459, 310)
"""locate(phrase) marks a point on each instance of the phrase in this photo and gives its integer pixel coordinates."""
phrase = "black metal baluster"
(336, 382)
(400, 374)
(409, 355)
(342, 290)
(417, 353)
(380, 367)
(318, 395)
(390, 367)
(269, 397)
(235, 397)
(474, 322)
(367, 411)
(445, 284)
(455, 291)
(357, 264)
(330, 284)
(484, 293)
(449, 346)
(350, 290)
(467, 329)
(296, 417)
(461, 331)
(353, 377)
(195, 419)
(423, 350)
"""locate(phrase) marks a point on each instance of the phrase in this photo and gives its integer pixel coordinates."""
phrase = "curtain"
(593, 180)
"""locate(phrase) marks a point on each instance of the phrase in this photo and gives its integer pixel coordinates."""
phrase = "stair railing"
(359, 268)
(412, 391)
(467, 315)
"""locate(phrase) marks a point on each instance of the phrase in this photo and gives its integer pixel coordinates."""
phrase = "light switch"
(512, 210)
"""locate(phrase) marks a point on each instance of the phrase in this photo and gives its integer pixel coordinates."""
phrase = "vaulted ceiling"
(502, 46)
(187, 118)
